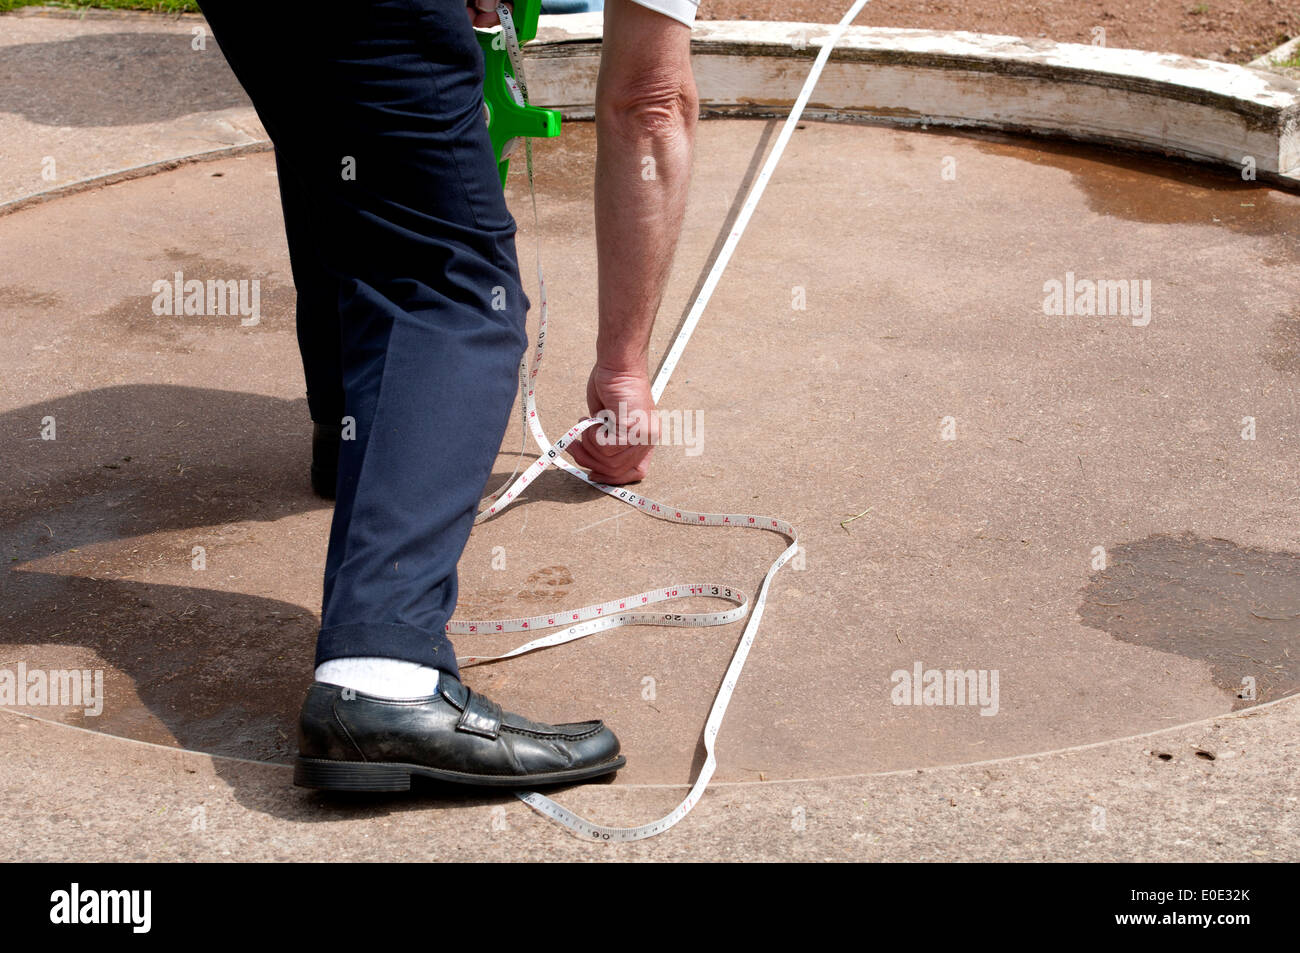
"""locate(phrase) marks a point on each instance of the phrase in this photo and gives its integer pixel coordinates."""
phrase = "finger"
(615, 456)
(622, 433)
(624, 470)
(603, 441)
(482, 13)
(601, 459)
(601, 438)
(627, 469)
(582, 457)
(621, 478)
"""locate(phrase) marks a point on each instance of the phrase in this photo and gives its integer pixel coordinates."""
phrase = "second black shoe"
(351, 741)
(325, 442)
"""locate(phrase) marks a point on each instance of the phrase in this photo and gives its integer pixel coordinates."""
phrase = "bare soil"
(1234, 31)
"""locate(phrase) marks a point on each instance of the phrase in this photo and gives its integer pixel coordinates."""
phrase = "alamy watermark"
(130, 907)
(56, 688)
(661, 427)
(216, 296)
(1128, 297)
(934, 686)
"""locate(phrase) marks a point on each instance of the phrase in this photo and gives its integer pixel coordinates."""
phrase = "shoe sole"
(379, 776)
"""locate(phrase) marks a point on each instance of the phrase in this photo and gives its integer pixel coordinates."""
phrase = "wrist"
(622, 365)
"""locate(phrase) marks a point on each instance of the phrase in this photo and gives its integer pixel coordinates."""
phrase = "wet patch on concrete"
(1235, 607)
(564, 168)
(135, 316)
(1138, 187)
(547, 583)
(275, 302)
(16, 296)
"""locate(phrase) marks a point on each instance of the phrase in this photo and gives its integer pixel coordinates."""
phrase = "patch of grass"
(152, 6)
(1199, 10)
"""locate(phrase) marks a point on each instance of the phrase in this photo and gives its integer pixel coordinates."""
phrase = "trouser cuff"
(388, 640)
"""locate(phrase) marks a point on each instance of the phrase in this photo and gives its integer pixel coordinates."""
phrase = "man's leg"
(317, 319)
(377, 109)
(316, 310)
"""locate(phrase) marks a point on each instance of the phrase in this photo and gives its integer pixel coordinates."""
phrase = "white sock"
(385, 677)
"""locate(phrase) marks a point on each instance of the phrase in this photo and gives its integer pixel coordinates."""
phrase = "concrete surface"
(922, 260)
(73, 795)
(83, 97)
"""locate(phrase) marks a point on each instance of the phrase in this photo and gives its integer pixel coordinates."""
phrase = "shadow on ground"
(206, 669)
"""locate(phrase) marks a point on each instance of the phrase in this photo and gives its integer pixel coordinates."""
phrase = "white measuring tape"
(631, 610)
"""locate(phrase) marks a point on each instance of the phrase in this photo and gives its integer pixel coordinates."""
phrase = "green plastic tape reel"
(507, 117)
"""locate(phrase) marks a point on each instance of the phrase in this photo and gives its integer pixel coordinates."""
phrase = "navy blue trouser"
(403, 256)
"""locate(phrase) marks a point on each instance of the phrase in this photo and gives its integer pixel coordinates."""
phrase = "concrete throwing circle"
(1093, 511)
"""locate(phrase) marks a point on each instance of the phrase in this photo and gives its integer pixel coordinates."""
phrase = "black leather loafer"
(325, 442)
(350, 741)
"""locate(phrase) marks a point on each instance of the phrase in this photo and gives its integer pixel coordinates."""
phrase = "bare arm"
(646, 110)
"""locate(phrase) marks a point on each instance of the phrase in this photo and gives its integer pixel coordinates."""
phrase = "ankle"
(384, 677)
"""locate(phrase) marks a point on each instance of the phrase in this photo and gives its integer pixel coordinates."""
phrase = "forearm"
(637, 225)
(645, 137)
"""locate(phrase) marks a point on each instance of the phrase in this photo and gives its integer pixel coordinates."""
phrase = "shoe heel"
(349, 776)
